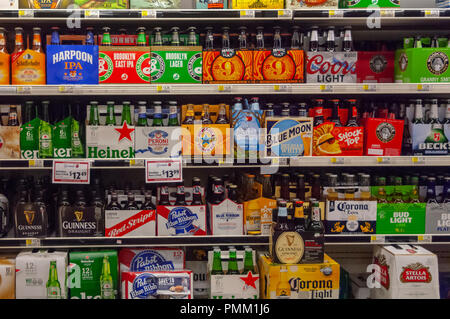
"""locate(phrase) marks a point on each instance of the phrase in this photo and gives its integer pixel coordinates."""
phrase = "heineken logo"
(195, 66)
(385, 132)
(437, 63)
(378, 63)
(143, 68)
(96, 152)
(105, 67)
(157, 66)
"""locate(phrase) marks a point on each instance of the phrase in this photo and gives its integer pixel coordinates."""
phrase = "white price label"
(326, 88)
(335, 13)
(148, 14)
(65, 89)
(423, 87)
(282, 88)
(92, 14)
(163, 170)
(71, 172)
(387, 13)
(26, 13)
(33, 242)
(247, 14)
(224, 88)
(383, 160)
(35, 163)
(425, 239)
(23, 90)
(418, 160)
(337, 160)
(369, 87)
(378, 239)
(163, 88)
(285, 14)
(432, 13)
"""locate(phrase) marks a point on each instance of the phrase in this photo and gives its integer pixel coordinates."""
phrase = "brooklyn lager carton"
(405, 272)
(9, 135)
(331, 67)
(93, 274)
(8, 277)
(401, 218)
(233, 286)
(226, 218)
(348, 217)
(383, 137)
(157, 285)
(257, 4)
(430, 139)
(350, 4)
(299, 281)
(437, 218)
(151, 259)
(312, 4)
(9, 5)
(89, 4)
(41, 275)
(289, 137)
(375, 67)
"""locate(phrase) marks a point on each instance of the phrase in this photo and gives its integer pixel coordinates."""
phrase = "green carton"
(349, 4)
(401, 218)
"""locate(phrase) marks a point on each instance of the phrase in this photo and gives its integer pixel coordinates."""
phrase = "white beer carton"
(9, 4)
(405, 272)
(7, 277)
(243, 286)
(32, 274)
(151, 259)
(227, 218)
(359, 286)
(158, 142)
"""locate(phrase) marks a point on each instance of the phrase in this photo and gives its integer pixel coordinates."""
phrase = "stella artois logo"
(29, 216)
(437, 63)
(415, 273)
(78, 215)
(384, 271)
(378, 63)
(105, 67)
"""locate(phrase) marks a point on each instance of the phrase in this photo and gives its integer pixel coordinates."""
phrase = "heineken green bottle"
(157, 114)
(126, 113)
(173, 114)
(29, 132)
(232, 262)
(110, 117)
(248, 260)
(53, 286)
(94, 119)
(142, 115)
(106, 39)
(217, 262)
(76, 134)
(62, 138)
(45, 133)
(106, 281)
(141, 40)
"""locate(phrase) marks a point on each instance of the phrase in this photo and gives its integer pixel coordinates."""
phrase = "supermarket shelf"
(226, 89)
(373, 161)
(362, 239)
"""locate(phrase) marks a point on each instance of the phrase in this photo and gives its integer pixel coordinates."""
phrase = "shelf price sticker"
(285, 14)
(337, 160)
(432, 13)
(33, 242)
(137, 162)
(224, 88)
(92, 14)
(369, 87)
(423, 87)
(418, 160)
(163, 88)
(387, 13)
(35, 163)
(148, 14)
(378, 239)
(326, 88)
(336, 13)
(163, 170)
(383, 160)
(23, 90)
(26, 13)
(65, 89)
(424, 239)
(282, 88)
(71, 172)
(247, 14)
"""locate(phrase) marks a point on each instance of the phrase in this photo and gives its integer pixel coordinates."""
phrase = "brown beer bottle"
(37, 43)
(19, 46)
(3, 40)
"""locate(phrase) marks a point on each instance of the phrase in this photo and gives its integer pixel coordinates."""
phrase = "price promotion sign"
(167, 170)
(71, 172)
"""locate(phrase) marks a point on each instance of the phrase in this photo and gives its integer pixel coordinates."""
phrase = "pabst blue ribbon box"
(72, 63)
(331, 67)
(151, 259)
(181, 220)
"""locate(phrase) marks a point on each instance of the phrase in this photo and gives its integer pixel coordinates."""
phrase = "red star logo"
(250, 280)
(125, 132)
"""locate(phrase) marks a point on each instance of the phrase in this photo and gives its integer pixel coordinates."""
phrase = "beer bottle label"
(53, 293)
(76, 144)
(29, 139)
(62, 138)
(45, 140)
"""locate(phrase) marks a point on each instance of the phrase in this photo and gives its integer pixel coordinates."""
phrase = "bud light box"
(312, 4)
(157, 285)
(350, 217)
(383, 137)
(299, 281)
(93, 274)
(72, 63)
(279, 65)
(226, 218)
(401, 218)
(41, 275)
(331, 67)
(430, 139)
(228, 286)
(329, 140)
(9, 135)
(151, 259)
(437, 218)
(288, 137)
(404, 272)
(375, 67)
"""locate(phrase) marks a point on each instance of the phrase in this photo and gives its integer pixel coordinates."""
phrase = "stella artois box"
(422, 65)
(9, 5)
(225, 286)
(151, 259)
(405, 272)
(77, 222)
(301, 281)
(227, 66)
(9, 135)
(72, 64)
(331, 67)
(329, 140)
(278, 66)
(157, 285)
(401, 218)
(349, 217)
(226, 218)
(33, 271)
(263, 4)
(430, 139)
(383, 137)
(8, 277)
(437, 218)
(124, 64)
(375, 67)
(312, 4)
(28, 68)
(288, 137)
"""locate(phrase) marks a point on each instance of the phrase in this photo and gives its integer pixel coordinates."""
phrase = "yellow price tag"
(322, 87)
(419, 87)
(333, 160)
(414, 159)
(159, 88)
(220, 88)
(276, 87)
(132, 162)
(31, 163)
(365, 87)
(420, 238)
(379, 159)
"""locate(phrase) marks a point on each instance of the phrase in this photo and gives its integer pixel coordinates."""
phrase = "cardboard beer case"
(45, 4)
(401, 218)
(437, 218)
(257, 4)
(356, 4)
(155, 4)
(329, 140)
(203, 4)
(5, 67)
(110, 141)
(375, 67)
(331, 67)
(197, 261)
(9, 135)
(72, 63)
(115, 4)
(405, 272)
(383, 137)
(302, 281)
(81, 222)
(430, 139)
(226, 218)
(28, 68)
(242, 286)
(32, 274)
(8, 276)
(9, 5)
(247, 124)
(151, 259)
(312, 4)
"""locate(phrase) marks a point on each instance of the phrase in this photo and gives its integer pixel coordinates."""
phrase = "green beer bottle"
(192, 39)
(110, 117)
(381, 195)
(93, 114)
(248, 260)
(126, 113)
(106, 281)
(53, 286)
(29, 133)
(175, 36)
(76, 134)
(106, 39)
(173, 114)
(232, 262)
(157, 41)
(141, 40)
(217, 262)
(62, 134)
(157, 114)
(142, 115)
(397, 197)
(45, 133)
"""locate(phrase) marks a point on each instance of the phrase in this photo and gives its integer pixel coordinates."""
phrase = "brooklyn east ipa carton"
(405, 272)
(41, 275)
(7, 277)
(93, 274)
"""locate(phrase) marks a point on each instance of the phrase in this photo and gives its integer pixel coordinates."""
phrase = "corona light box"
(331, 67)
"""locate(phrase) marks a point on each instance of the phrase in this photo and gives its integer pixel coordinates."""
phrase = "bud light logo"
(158, 142)
(148, 260)
(144, 286)
(181, 219)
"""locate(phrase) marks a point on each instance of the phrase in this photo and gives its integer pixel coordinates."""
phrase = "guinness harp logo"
(78, 215)
(29, 216)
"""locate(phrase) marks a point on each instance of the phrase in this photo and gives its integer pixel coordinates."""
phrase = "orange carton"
(278, 65)
(227, 66)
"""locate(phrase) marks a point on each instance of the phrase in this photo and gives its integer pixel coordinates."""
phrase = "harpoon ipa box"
(405, 272)
(331, 67)
(151, 259)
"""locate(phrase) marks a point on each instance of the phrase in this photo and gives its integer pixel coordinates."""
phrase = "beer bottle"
(318, 112)
(299, 217)
(348, 41)
(315, 223)
(173, 114)
(157, 114)
(106, 281)
(192, 36)
(206, 118)
(45, 133)
(181, 197)
(301, 191)
(332, 193)
(315, 187)
(232, 262)
(106, 38)
(277, 43)
(447, 112)
(12, 116)
(222, 116)
(209, 39)
(55, 40)
(148, 203)
(295, 39)
(157, 41)
(253, 211)
(189, 118)
(314, 39)
(37, 43)
(434, 116)
(77, 133)
(248, 261)
(93, 117)
(259, 38)
(3, 40)
(232, 194)
(267, 186)
(446, 192)
(269, 112)
(352, 114)
(286, 109)
(284, 190)
(335, 114)
(331, 42)
(418, 42)
(114, 204)
(282, 217)
(142, 115)
(242, 38)
(110, 114)
(381, 195)
(80, 202)
(164, 195)
(19, 45)
(90, 36)
(217, 262)
(131, 204)
(175, 36)
(302, 109)
(418, 113)
(53, 286)
(397, 196)
(196, 191)
(365, 187)
(414, 195)
(283, 289)
(141, 39)
(431, 191)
